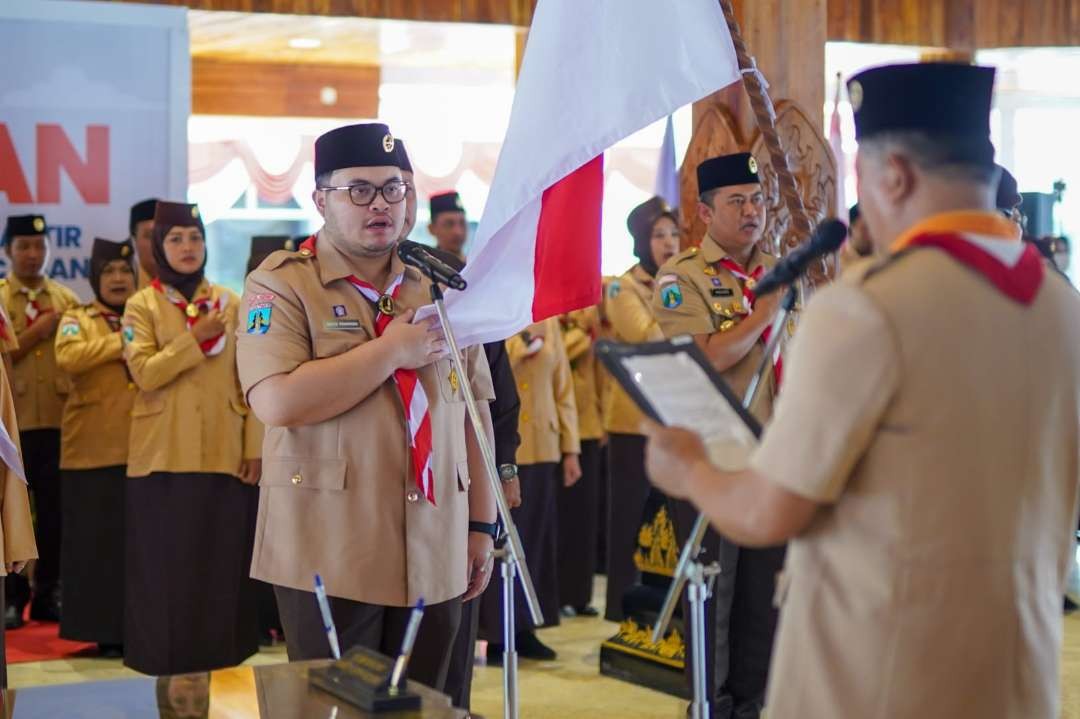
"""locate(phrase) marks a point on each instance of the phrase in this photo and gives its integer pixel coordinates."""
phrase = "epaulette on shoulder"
(688, 254)
(282, 257)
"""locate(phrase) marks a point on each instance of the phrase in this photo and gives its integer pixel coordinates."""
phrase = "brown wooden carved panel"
(811, 161)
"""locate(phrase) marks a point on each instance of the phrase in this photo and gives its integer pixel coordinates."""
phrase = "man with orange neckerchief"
(917, 457)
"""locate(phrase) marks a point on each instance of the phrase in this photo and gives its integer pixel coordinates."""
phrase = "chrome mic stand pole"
(513, 555)
(690, 569)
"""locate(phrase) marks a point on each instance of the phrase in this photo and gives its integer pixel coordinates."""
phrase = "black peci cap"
(940, 99)
(445, 202)
(365, 145)
(24, 226)
(727, 170)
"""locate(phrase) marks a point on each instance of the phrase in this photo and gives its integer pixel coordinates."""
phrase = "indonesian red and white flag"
(594, 72)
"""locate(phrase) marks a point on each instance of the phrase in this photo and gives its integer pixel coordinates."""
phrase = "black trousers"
(41, 459)
(628, 490)
(603, 508)
(537, 523)
(373, 626)
(577, 530)
(740, 620)
(460, 673)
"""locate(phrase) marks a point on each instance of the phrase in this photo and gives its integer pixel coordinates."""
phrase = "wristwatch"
(508, 472)
(489, 528)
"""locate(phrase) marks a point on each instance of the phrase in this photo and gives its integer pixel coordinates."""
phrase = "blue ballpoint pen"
(327, 619)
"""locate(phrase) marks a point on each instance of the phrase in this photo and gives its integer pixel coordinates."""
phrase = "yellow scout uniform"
(8, 341)
(189, 414)
(579, 505)
(697, 295)
(40, 388)
(16, 525)
(629, 309)
(97, 416)
(341, 495)
(580, 328)
(548, 422)
(929, 583)
(16, 528)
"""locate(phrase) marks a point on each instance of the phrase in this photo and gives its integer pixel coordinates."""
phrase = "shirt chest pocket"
(449, 381)
(331, 344)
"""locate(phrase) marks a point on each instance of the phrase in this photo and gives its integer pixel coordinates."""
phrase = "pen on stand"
(327, 619)
(402, 663)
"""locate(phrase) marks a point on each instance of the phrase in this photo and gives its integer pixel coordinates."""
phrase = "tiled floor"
(568, 688)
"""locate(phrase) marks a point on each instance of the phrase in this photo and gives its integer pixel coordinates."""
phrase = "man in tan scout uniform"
(35, 304)
(709, 293)
(916, 460)
(368, 458)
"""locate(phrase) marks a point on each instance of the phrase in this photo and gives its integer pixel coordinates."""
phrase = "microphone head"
(829, 235)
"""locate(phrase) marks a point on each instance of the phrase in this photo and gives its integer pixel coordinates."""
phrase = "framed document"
(674, 384)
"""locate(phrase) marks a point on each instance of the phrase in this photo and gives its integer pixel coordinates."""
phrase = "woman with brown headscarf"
(194, 463)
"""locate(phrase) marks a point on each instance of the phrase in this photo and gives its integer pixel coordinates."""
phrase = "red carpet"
(40, 641)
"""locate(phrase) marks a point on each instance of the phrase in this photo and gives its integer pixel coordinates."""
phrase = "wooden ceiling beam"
(502, 12)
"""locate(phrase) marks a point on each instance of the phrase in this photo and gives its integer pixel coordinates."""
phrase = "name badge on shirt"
(343, 325)
(723, 292)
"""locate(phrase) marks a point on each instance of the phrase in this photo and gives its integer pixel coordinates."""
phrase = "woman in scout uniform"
(95, 429)
(548, 425)
(16, 526)
(578, 503)
(654, 228)
(194, 460)
(35, 303)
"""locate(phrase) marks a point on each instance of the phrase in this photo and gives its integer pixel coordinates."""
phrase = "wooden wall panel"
(282, 90)
(505, 12)
(960, 24)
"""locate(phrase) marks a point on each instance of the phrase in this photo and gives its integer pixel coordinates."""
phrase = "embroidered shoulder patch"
(258, 320)
(671, 295)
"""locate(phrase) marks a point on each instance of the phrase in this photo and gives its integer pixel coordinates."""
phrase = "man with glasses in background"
(368, 454)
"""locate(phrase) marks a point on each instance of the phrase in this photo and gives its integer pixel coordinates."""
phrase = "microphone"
(827, 238)
(417, 255)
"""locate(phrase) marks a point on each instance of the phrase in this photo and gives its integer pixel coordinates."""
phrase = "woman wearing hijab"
(193, 463)
(94, 449)
(628, 305)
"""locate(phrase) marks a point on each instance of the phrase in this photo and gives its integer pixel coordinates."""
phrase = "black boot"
(529, 646)
(13, 618)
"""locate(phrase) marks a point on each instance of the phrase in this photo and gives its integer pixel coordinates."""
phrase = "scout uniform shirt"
(97, 414)
(16, 526)
(8, 341)
(580, 329)
(628, 306)
(700, 292)
(189, 415)
(548, 422)
(935, 419)
(341, 497)
(40, 388)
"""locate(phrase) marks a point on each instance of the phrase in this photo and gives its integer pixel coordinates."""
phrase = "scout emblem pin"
(386, 305)
(454, 384)
(192, 310)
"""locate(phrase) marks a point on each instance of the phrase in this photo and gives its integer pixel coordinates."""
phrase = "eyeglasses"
(363, 194)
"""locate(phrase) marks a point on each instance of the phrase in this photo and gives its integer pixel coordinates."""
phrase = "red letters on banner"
(54, 152)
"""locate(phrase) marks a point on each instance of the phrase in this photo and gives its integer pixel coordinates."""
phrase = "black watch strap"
(489, 528)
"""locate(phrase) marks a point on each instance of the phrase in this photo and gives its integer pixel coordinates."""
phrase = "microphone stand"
(690, 569)
(512, 554)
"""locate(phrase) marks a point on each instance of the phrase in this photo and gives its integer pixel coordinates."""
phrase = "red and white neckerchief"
(1016, 269)
(748, 282)
(112, 319)
(413, 398)
(192, 311)
(33, 309)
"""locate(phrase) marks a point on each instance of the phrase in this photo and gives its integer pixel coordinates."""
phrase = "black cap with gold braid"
(23, 226)
(365, 145)
(727, 170)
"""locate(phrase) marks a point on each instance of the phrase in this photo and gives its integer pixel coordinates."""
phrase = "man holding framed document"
(923, 469)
